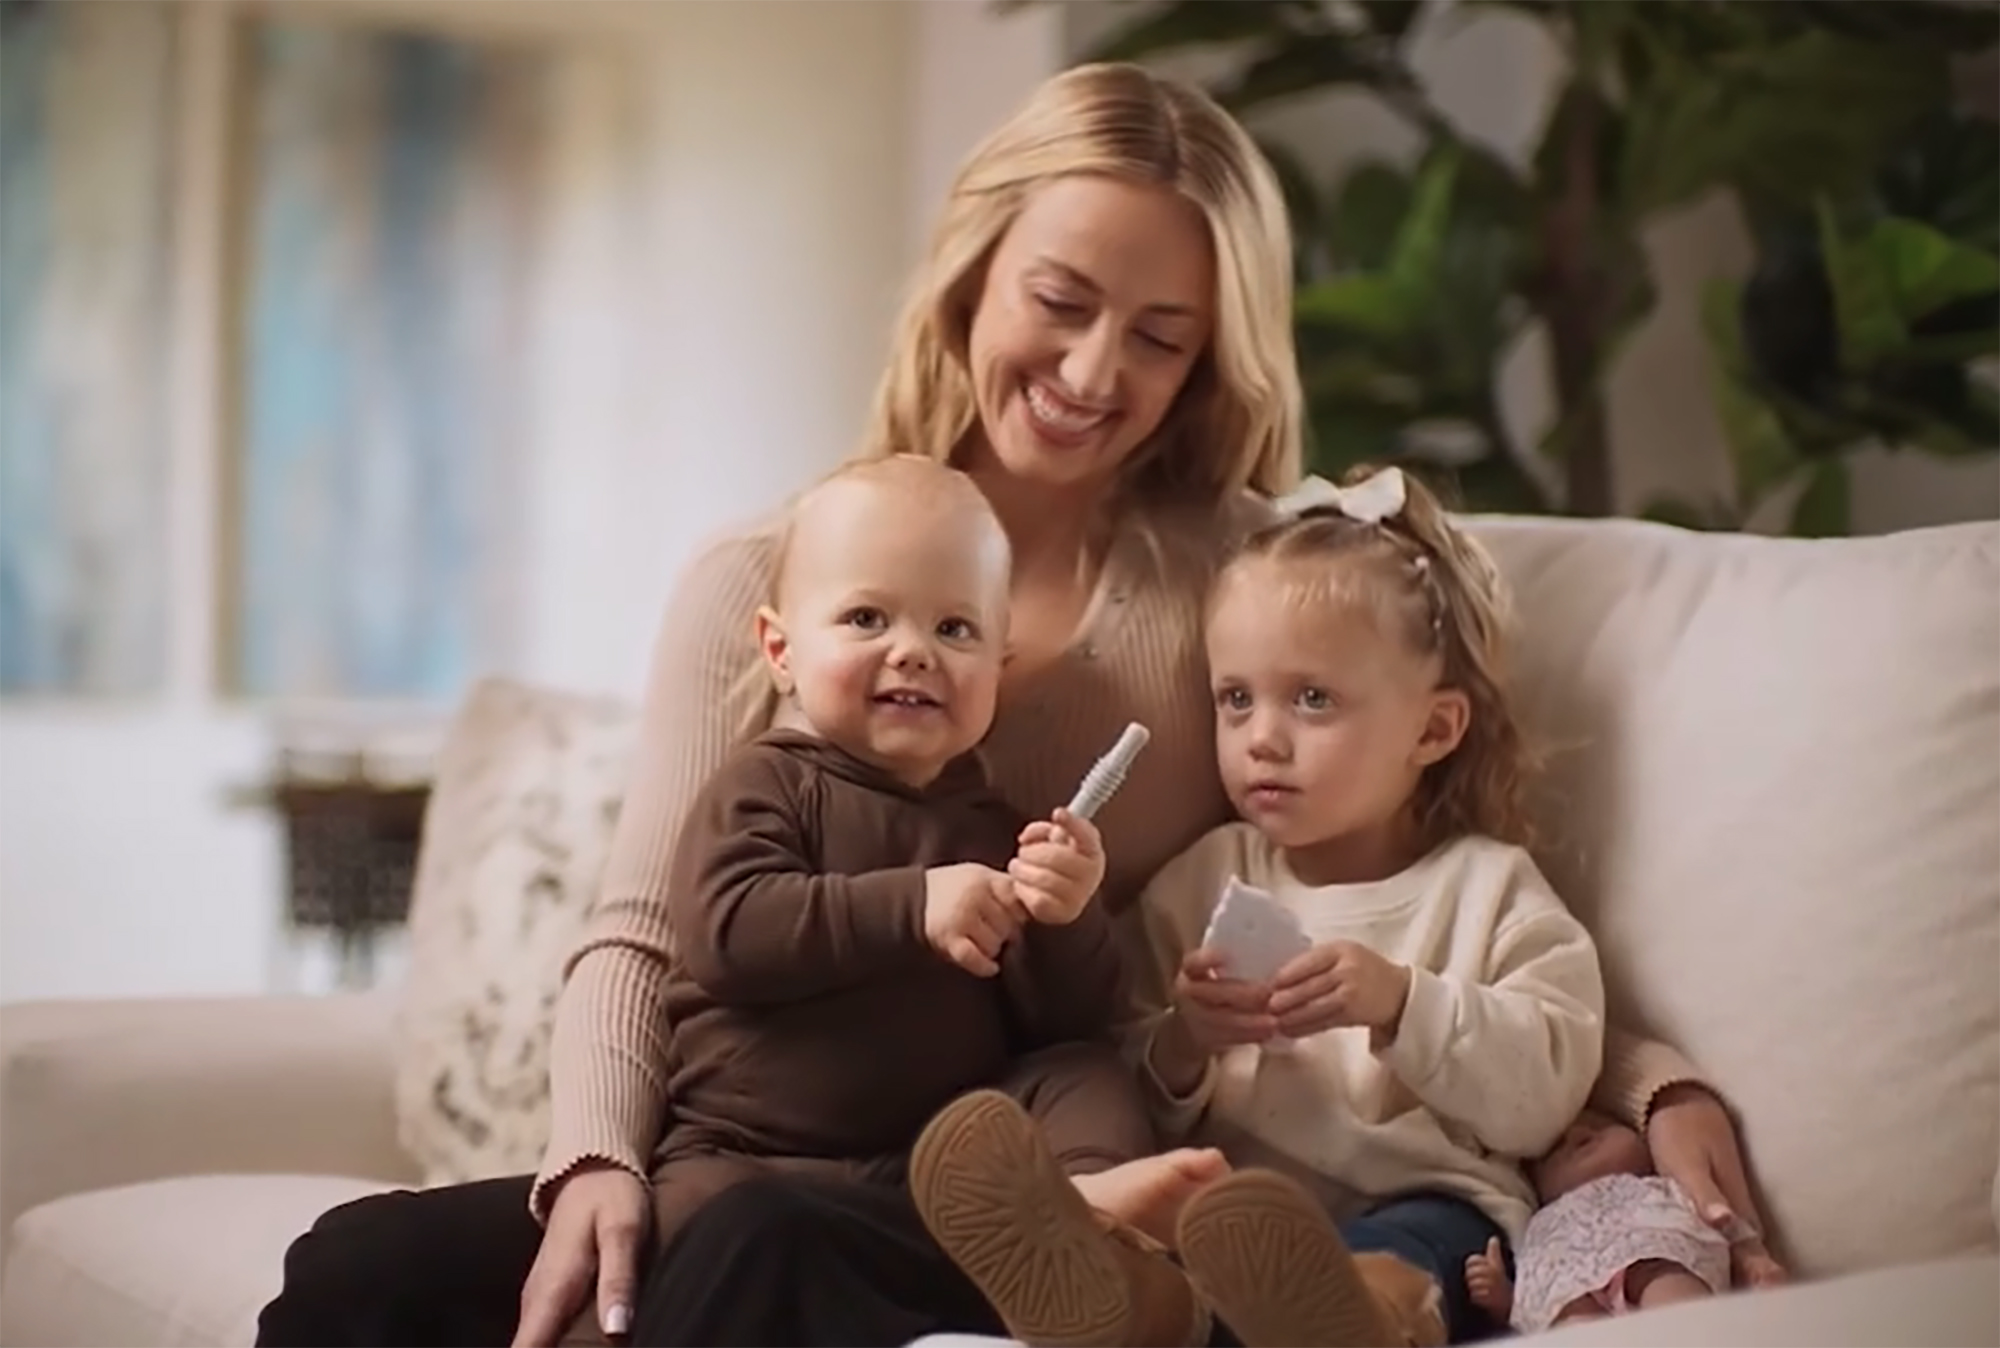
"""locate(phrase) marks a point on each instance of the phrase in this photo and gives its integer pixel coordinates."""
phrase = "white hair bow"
(1375, 498)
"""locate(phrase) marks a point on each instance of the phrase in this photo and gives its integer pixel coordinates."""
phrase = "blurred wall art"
(389, 269)
(86, 145)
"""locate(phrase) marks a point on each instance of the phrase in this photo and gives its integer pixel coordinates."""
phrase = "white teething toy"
(1108, 773)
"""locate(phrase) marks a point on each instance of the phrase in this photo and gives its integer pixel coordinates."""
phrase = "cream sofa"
(1774, 795)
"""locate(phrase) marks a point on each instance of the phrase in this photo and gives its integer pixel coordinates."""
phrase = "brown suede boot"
(1269, 1259)
(1060, 1274)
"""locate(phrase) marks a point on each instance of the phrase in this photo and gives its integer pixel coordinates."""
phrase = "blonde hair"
(1432, 586)
(1236, 422)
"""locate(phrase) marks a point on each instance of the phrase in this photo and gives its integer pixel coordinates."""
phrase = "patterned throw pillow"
(515, 839)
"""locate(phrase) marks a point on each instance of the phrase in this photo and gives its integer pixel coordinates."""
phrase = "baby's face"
(892, 623)
(1589, 1149)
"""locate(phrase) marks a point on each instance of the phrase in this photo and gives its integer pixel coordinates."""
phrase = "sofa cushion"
(1775, 798)
(515, 839)
(181, 1261)
(1954, 1302)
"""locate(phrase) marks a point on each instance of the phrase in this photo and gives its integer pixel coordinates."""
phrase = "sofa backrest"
(1774, 795)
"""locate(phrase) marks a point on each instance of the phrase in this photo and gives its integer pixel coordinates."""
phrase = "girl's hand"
(1220, 1012)
(1340, 983)
(1058, 868)
(597, 1224)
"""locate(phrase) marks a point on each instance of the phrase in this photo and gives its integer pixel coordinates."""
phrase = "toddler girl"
(1443, 1023)
(1613, 1237)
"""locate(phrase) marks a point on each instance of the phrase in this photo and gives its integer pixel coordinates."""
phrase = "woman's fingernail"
(617, 1319)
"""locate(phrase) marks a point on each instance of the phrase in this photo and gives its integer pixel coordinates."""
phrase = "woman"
(1101, 337)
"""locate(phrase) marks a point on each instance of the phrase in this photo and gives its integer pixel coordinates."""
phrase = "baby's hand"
(1486, 1282)
(969, 915)
(1059, 867)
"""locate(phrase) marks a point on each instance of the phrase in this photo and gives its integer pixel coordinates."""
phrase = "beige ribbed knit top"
(1137, 656)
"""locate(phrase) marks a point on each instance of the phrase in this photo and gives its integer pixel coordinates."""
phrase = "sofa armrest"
(102, 1093)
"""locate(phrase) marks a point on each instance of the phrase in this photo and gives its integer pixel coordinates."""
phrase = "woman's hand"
(597, 1225)
(1693, 1142)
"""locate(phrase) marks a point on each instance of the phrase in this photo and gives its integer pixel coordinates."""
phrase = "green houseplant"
(1870, 200)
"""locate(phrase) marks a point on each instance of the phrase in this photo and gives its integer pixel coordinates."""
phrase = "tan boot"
(1268, 1258)
(1060, 1274)
(1410, 1299)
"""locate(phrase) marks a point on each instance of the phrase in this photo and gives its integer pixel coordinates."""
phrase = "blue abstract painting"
(86, 144)
(391, 247)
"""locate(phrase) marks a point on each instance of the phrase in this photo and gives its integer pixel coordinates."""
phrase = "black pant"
(782, 1260)
(774, 1260)
(440, 1266)
(445, 1266)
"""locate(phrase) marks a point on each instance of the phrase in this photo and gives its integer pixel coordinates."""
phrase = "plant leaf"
(1927, 270)
(1968, 429)
(1946, 173)
(1370, 303)
(1541, 9)
(1199, 23)
(1420, 240)
(1388, 302)
(1304, 63)
(1305, 207)
(1344, 437)
(1813, 113)
(1866, 315)
(1789, 336)
(1951, 348)
(1824, 509)
(1761, 451)
(1392, 18)
(1496, 483)
(1361, 229)
(1951, 26)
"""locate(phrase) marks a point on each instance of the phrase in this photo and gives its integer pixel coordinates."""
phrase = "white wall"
(775, 143)
(1495, 75)
(973, 66)
(732, 224)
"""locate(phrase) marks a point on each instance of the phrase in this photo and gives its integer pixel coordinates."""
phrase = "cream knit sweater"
(1137, 656)
(1499, 1045)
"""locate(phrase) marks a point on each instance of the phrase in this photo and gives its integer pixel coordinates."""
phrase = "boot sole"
(1269, 1260)
(995, 1198)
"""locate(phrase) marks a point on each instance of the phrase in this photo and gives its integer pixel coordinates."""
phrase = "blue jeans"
(1437, 1233)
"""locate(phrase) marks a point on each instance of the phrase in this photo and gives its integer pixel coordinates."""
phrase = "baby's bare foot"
(1150, 1192)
